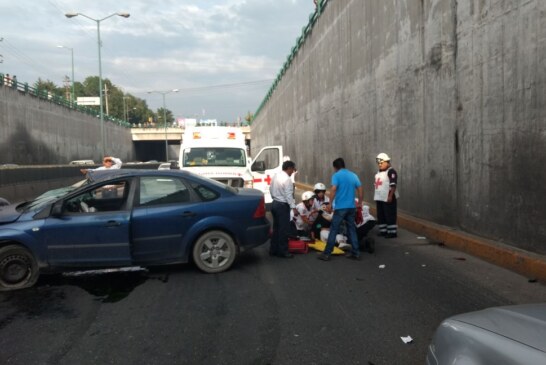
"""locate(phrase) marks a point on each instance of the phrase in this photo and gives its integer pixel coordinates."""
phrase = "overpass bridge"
(149, 142)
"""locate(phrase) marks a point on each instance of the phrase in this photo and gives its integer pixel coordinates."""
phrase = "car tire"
(214, 252)
(18, 268)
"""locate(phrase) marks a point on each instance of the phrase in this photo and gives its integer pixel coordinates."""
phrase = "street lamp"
(73, 99)
(163, 93)
(125, 108)
(125, 15)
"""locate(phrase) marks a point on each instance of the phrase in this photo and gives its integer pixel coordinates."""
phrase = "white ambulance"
(220, 153)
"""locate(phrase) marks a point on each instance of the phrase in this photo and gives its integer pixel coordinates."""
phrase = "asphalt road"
(265, 310)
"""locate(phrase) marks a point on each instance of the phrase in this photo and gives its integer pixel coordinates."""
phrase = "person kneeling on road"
(306, 215)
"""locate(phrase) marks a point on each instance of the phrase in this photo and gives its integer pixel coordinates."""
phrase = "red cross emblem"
(378, 183)
(268, 180)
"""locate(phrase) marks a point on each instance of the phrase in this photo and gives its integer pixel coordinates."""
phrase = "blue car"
(118, 218)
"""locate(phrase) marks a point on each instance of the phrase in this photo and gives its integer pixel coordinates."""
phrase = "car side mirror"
(57, 209)
(258, 166)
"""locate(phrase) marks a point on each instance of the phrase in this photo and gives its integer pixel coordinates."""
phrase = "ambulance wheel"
(214, 252)
(18, 268)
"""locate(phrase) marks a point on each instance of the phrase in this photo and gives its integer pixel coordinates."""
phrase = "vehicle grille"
(235, 183)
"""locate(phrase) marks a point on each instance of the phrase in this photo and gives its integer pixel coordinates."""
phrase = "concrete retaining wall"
(25, 183)
(35, 131)
(452, 90)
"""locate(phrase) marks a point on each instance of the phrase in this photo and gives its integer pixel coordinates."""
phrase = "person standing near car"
(108, 162)
(345, 185)
(282, 192)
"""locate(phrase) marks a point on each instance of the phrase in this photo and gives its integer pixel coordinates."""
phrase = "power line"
(224, 86)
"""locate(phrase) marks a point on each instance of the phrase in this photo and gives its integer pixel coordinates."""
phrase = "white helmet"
(319, 186)
(307, 195)
(382, 157)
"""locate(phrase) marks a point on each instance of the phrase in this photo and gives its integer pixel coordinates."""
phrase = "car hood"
(8, 213)
(218, 171)
(523, 323)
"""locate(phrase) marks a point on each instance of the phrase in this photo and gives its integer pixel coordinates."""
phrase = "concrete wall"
(35, 131)
(453, 91)
(25, 183)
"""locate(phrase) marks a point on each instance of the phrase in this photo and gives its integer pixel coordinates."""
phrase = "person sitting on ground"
(320, 205)
(108, 162)
(364, 224)
(306, 215)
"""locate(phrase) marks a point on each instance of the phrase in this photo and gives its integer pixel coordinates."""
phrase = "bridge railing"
(25, 88)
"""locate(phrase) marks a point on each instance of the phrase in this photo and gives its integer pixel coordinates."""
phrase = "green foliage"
(47, 85)
(120, 104)
(249, 117)
(159, 117)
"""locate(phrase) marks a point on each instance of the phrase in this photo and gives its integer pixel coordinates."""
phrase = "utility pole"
(67, 87)
(106, 96)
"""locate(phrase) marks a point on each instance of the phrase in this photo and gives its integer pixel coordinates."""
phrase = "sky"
(222, 55)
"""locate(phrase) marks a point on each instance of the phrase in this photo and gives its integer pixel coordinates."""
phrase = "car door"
(91, 228)
(164, 210)
(264, 166)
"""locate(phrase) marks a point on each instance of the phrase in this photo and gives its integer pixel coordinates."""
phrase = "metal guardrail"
(321, 4)
(24, 88)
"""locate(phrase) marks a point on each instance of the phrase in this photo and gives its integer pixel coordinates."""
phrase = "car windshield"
(214, 156)
(50, 196)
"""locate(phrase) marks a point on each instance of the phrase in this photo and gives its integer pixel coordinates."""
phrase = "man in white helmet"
(386, 196)
(306, 214)
(321, 206)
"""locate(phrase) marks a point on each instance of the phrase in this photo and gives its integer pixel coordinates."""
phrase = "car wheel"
(214, 252)
(3, 202)
(18, 268)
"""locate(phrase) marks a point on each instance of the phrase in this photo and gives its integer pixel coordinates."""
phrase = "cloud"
(163, 45)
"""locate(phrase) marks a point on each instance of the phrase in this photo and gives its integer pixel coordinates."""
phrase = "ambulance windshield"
(214, 156)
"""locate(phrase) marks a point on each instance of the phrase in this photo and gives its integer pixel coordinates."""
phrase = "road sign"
(88, 100)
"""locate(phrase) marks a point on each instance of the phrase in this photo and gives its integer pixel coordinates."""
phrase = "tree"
(136, 108)
(168, 114)
(46, 85)
(249, 117)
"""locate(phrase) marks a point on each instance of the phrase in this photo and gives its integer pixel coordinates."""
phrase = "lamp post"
(163, 93)
(125, 15)
(125, 108)
(73, 99)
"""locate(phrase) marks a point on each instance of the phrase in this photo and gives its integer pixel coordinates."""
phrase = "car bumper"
(256, 236)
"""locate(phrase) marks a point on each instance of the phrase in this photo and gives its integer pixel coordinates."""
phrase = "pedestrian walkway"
(529, 264)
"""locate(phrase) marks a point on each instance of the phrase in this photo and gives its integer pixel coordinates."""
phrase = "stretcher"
(319, 245)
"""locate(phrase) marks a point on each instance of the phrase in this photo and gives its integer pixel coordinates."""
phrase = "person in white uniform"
(386, 196)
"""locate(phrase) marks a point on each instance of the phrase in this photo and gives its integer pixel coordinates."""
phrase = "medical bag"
(296, 245)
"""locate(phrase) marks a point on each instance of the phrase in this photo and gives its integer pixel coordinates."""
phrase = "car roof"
(99, 175)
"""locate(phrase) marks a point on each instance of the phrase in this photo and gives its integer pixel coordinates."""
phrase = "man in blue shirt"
(345, 185)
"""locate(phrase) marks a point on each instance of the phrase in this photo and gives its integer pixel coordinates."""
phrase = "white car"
(165, 166)
(82, 162)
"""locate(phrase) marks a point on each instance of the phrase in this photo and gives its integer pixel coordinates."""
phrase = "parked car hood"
(523, 323)
(9, 213)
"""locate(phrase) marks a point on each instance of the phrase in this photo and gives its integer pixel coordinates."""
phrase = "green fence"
(321, 4)
(24, 88)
